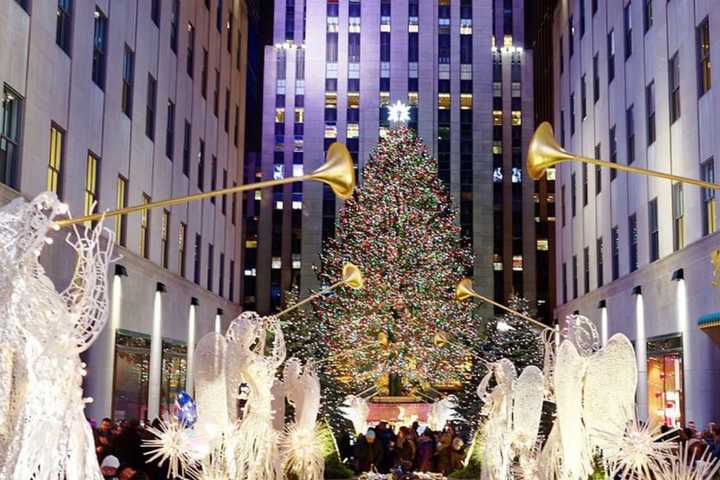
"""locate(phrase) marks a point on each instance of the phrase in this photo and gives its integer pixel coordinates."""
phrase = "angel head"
(245, 330)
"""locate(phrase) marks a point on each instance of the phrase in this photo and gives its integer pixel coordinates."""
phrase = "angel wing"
(210, 382)
(528, 392)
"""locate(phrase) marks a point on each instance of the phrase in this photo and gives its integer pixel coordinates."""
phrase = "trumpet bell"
(464, 289)
(352, 276)
(544, 152)
(338, 171)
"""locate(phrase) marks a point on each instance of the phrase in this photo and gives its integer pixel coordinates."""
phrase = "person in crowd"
(368, 452)
(425, 450)
(442, 450)
(405, 449)
(128, 445)
(457, 454)
(125, 472)
(109, 466)
(103, 438)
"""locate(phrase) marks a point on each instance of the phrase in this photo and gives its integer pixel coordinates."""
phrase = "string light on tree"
(399, 113)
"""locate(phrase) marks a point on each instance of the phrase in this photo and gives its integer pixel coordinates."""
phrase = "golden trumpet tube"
(311, 298)
(181, 200)
(510, 310)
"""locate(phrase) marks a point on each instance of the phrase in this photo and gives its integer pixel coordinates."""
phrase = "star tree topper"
(399, 112)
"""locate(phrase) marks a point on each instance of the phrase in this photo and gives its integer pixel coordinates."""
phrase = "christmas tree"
(400, 229)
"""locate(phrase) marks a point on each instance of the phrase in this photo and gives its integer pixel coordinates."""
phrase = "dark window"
(223, 200)
(648, 15)
(190, 62)
(574, 276)
(210, 262)
(63, 31)
(164, 239)
(221, 280)
(236, 128)
(218, 22)
(654, 233)
(198, 258)
(187, 141)
(596, 78)
(633, 242)
(583, 97)
(573, 201)
(216, 93)
(674, 72)
(627, 24)
(170, 131)
(594, 6)
(128, 81)
(630, 129)
(581, 6)
(99, 49)
(201, 167)
(227, 110)
(182, 241)
(585, 184)
(613, 152)
(611, 55)
(572, 114)
(155, 11)
(600, 262)
(231, 20)
(703, 51)
(615, 250)
(204, 74)
(213, 176)
(678, 208)
(598, 171)
(384, 46)
(562, 56)
(231, 286)
(150, 108)
(11, 111)
(174, 22)
(238, 50)
(708, 198)
(562, 204)
(564, 283)
(586, 269)
(650, 109)
(571, 36)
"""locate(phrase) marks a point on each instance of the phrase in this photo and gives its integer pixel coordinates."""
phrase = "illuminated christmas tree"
(400, 229)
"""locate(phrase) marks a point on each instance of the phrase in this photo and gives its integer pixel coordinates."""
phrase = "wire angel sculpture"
(357, 410)
(45, 435)
(302, 443)
(442, 412)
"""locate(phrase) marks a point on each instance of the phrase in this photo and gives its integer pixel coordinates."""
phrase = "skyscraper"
(335, 67)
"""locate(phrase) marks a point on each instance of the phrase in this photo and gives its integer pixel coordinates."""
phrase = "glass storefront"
(665, 380)
(174, 368)
(132, 373)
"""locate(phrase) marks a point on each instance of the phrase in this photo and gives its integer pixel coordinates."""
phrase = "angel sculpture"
(257, 452)
(45, 435)
(357, 410)
(302, 446)
(442, 412)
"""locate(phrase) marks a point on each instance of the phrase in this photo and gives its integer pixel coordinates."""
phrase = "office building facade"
(334, 68)
(118, 103)
(634, 85)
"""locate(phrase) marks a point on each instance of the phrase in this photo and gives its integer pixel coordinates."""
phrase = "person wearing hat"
(109, 467)
(369, 452)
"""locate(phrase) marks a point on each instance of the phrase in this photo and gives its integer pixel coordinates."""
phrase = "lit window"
(280, 87)
(330, 131)
(497, 148)
(412, 24)
(444, 71)
(258, 195)
(353, 70)
(296, 205)
(54, 175)
(354, 24)
(466, 26)
(299, 115)
(466, 101)
(353, 100)
(384, 69)
(91, 184)
(497, 117)
(279, 115)
(278, 171)
(331, 70)
(516, 118)
(250, 272)
(550, 173)
(542, 245)
(298, 171)
(517, 263)
(299, 87)
(516, 175)
(443, 101)
(507, 41)
(330, 99)
(497, 175)
(465, 71)
(353, 130)
(384, 99)
(497, 263)
(385, 24)
(144, 227)
(251, 244)
(120, 220)
(412, 98)
(296, 261)
(164, 234)
(332, 24)
(413, 70)
(279, 205)
(276, 263)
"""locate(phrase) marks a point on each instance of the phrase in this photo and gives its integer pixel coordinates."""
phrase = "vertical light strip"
(641, 353)
(190, 350)
(106, 397)
(604, 325)
(155, 360)
(218, 322)
(683, 322)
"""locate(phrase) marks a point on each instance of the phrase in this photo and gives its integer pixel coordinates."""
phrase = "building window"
(581, 7)
(221, 279)
(585, 184)
(572, 114)
(170, 131)
(562, 204)
(164, 244)
(596, 78)
(650, 108)
(627, 24)
(190, 60)
(213, 176)
(182, 240)
(23, 4)
(63, 31)
(174, 22)
(598, 171)
(155, 11)
(562, 56)
(10, 128)
(227, 110)
(678, 206)
(201, 167)
(223, 201)
(231, 286)
(633, 242)
(586, 269)
(150, 107)
(218, 17)
(564, 283)
(648, 15)
(99, 49)
(583, 97)
(92, 174)
(600, 262)
(665, 380)
(613, 152)
(708, 198)
(231, 20)
(197, 258)
(131, 374)
(216, 93)
(128, 81)
(674, 72)
(121, 196)
(145, 228)
(574, 276)
(611, 55)
(703, 50)
(56, 160)
(187, 140)
(204, 74)
(236, 128)
(572, 195)
(571, 37)
(615, 251)
(630, 130)
(594, 6)
(211, 261)
(654, 232)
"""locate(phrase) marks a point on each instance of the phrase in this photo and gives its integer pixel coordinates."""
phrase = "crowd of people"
(119, 450)
(410, 449)
(698, 441)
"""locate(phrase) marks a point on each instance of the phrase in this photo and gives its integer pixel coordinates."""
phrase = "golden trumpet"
(464, 291)
(544, 152)
(351, 276)
(337, 171)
